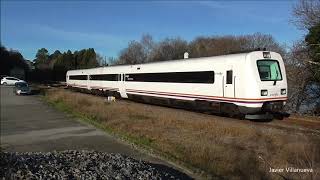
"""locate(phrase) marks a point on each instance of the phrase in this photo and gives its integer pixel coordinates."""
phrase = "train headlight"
(264, 92)
(283, 91)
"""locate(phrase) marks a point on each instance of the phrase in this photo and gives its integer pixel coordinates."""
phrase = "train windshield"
(269, 70)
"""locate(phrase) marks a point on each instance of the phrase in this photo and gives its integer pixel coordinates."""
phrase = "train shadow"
(273, 116)
(281, 115)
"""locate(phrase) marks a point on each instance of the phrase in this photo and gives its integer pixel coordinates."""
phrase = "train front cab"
(269, 92)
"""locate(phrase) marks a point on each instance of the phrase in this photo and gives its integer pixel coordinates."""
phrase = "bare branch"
(306, 14)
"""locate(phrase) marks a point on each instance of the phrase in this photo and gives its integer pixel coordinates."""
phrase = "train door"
(229, 84)
(122, 86)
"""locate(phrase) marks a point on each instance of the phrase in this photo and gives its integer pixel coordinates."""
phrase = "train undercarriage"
(269, 110)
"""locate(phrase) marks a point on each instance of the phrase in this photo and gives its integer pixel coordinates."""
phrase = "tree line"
(10, 59)
(146, 50)
(48, 67)
(53, 67)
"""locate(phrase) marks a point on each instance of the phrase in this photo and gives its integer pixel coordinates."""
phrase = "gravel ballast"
(80, 165)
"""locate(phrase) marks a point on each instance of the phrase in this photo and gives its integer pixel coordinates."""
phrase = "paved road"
(28, 124)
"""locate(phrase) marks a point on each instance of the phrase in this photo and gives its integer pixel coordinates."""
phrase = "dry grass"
(219, 147)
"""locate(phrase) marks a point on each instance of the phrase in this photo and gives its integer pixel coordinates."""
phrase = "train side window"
(78, 77)
(104, 77)
(173, 77)
(229, 77)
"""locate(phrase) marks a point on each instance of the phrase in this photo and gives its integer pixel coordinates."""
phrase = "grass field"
(210, 146)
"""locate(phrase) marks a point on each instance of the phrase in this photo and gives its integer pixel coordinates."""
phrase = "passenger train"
(251, 84)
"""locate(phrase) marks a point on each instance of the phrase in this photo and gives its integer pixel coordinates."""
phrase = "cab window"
(269, 70)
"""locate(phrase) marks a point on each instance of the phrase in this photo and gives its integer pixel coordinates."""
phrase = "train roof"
(234, 55)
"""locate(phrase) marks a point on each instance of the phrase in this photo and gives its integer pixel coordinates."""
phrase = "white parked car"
(10, 80)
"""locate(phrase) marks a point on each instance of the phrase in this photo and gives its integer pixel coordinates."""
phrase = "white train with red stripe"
(252, 83)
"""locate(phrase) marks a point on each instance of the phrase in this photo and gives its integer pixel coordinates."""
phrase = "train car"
(252, 84)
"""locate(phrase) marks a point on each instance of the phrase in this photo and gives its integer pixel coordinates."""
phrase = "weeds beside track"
(216, 147)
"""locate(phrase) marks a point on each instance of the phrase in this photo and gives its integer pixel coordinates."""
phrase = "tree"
(306, 14)
(304, 74)
(133, 54)
(298, 76)
(313, 43)
(258, 40)
(63, 63)
(169, 49)
(10, 59)
(146, 50)
(221, 45)
(100, 60)
(91, 59)
(5, 64)
(56, 54)
(136, 52)
(214, 46)
(53, 58)
(112, 61)
(42, 59)
(85, 58)
(148, 46)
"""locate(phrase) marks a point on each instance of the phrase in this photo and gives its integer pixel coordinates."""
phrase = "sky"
(108, 26)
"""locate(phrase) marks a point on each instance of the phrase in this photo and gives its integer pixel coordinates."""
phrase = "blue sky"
(109, 26)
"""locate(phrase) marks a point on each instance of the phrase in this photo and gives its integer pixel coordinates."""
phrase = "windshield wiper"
(275, 80)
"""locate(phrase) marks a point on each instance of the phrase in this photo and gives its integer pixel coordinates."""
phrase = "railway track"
(297, 124)
(304, 124)
(294, 123)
